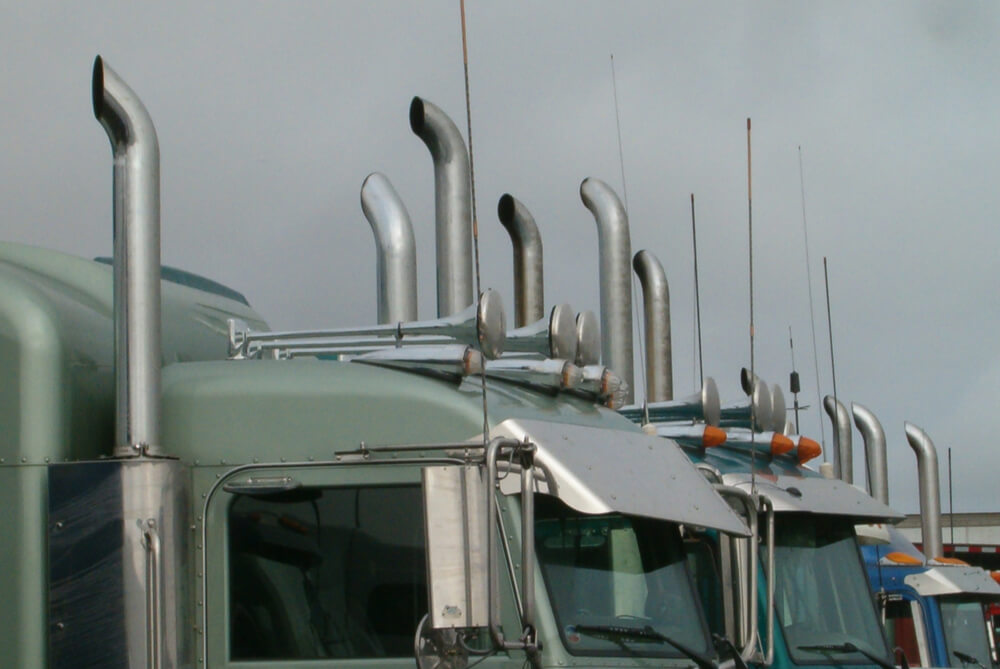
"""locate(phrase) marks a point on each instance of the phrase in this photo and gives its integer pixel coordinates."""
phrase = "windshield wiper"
(965, 658)
(848, 647)
(624, 631)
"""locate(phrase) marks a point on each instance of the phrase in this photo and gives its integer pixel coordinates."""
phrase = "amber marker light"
(954, 561)
(995, 575)
(902, 558)
(780, 444)
(808, 449)
(713, 436)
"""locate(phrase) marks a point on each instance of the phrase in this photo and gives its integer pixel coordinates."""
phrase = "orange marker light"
(808, 449)
(995, 575)
(780, 444)
(713, 436)
(902, 558)
(948, 560)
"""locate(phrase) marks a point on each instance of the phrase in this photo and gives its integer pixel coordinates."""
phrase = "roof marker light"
(780, 444)
(808, 449)
(902, 558)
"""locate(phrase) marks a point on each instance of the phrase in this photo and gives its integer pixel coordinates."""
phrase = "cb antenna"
(812, 316)
(753, 374)
(475, 218)
(697, 297)
(635, 292)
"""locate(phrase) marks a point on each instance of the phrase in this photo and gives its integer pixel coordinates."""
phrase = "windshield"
(617, 571)
(821, 592)
(965, 631)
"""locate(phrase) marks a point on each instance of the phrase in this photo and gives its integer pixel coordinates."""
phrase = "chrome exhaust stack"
(843, 459)
(930, 490)
(656, 317)
(140, 495)
(396, 250)
(529, 293)
(452, 204)
(615, 251)
(136, 262)
(875, 452)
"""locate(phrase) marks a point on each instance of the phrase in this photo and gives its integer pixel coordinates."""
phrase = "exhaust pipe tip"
(97, 87)
(417, 117)
(505, 207)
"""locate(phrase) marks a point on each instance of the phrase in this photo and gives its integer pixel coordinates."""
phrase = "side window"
(326, 573)
(904, 628)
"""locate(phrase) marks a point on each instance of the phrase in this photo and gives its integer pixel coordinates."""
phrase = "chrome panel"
(455, 532)
(954, 580)
(814, 494)
(118, 552)
(644, 475)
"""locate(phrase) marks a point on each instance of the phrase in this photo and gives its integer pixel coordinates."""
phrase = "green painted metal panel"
(23, 568)
(57, 350)
(236, 411)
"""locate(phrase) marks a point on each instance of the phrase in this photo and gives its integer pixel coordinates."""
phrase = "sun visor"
(957, 580)
(816, 495)
(596, 470)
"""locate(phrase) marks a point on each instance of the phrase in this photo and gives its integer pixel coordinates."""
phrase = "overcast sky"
(270, 115)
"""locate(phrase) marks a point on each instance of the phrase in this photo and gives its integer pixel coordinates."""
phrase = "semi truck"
(808, 601)
(184, 487)
(936, 609)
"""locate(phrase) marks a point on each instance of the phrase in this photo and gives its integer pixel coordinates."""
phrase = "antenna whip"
(812, 316)
(475, 218)
(753, 374)
(697, 296)
(635, 292)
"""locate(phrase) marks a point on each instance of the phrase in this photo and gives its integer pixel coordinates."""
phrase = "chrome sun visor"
(816, 495)
(644, 475)
(954, 580)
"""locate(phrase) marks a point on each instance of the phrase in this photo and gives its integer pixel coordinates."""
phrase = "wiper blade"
(965, 658)
(848, 647)
(625, 631)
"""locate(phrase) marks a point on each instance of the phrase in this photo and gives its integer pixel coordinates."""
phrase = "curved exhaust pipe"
(529, 297)
(875, 452)
(395, 250)
(930, 490)
(656, 318)
(452, 205)
(136, 187)
(615, 250)
(843, 459)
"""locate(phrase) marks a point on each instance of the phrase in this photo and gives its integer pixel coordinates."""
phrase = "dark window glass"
(326, 573)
